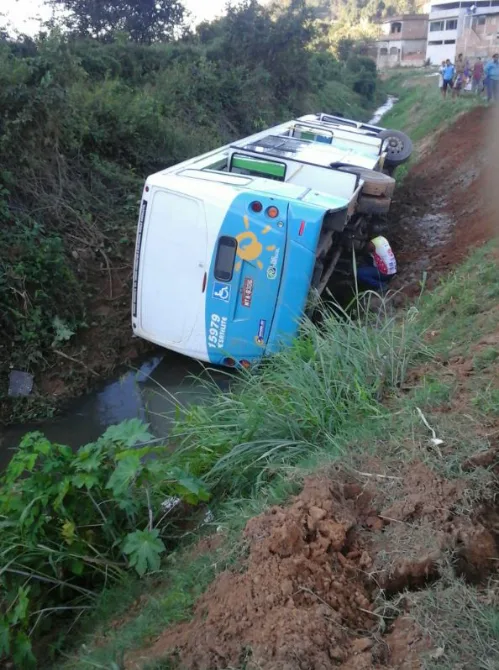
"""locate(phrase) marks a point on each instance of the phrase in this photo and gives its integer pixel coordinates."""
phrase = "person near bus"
(460, 78)
(380, 267)
(492, 78)
(448, 77)
(441, 71)
(478, 75)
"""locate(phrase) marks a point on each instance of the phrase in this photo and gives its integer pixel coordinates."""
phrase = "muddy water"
(381, 111)
(151, 392)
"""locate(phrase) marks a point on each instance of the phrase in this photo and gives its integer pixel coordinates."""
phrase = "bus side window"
(257, 167)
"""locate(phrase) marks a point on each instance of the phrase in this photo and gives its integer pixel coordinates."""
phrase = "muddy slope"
(445, 206)
(309, 595)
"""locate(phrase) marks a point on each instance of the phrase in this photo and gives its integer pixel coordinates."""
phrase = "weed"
(299, 402)
(64, 536)
(462, 624)
(486, 400)
(484, 358)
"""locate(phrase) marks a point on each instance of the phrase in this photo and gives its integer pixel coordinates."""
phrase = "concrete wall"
(411, 27)
(478, 39)
(401, 53)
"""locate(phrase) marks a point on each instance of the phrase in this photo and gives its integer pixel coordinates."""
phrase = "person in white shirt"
(381, 265)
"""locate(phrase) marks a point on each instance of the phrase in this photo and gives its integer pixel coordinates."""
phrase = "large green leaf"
(20, 610)
(144, 548)
(124, 474)
(189, 488)
(128, 433)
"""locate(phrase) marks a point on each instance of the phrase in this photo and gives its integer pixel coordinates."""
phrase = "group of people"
(479, 78)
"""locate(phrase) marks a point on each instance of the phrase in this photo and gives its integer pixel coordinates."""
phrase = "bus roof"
(341, 155)
(211, 185)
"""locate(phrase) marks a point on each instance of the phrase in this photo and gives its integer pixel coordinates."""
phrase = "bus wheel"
(398, 146)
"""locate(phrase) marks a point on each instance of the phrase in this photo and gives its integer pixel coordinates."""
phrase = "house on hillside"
(402, 42)
(466, 27)
(479, 36)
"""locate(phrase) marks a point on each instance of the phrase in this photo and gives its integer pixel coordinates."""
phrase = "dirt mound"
(303, 593)
(306, 597)
(444, 207)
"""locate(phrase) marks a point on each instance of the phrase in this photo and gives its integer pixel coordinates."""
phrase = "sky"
(21, 13)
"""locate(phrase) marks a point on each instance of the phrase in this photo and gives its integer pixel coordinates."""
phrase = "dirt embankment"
(446, 205)
(321, 573)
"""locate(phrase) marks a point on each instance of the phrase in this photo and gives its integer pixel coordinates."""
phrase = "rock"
(317, 513)
(20, 384)
(361, 645)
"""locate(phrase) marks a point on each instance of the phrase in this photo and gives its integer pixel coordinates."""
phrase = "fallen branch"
(373, 474)
(75, 360)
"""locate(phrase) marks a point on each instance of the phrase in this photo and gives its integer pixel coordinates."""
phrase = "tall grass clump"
(299, 401)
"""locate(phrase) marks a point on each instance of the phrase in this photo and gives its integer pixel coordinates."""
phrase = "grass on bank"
(310, 433)
(421, 111)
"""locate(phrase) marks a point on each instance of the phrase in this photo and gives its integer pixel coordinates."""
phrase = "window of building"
(435, 43)
(436, 25)
(383, 51)
(480, 20)
(393, 51)
(451, 24)
(396, 27)
(450, 42)
(451, 5)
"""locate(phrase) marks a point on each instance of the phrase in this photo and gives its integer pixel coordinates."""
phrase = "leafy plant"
(73, 522)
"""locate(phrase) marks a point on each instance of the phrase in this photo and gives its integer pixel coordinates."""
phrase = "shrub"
(72, 523)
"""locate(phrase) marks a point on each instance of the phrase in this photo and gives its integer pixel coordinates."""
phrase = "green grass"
(462, 624)
(420, 110)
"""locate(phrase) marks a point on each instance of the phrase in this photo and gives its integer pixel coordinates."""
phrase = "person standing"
(441, 75)
(492, 74)
(477, 78)
(459, 76)
(448, 77)
(381, 265)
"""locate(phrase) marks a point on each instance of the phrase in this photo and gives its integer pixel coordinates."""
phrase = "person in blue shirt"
(448, 76)
(492, 78)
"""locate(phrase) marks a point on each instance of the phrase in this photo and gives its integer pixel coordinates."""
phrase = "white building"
(447, 22)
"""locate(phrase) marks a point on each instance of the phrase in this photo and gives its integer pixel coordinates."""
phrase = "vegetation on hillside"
(88, 114)
(349, 22)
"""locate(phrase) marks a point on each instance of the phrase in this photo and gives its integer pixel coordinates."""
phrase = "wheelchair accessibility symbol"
(221, 291)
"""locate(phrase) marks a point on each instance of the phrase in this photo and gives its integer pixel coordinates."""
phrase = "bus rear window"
(258, 168)
(224, 261)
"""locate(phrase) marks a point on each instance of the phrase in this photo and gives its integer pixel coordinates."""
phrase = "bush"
(72, 523)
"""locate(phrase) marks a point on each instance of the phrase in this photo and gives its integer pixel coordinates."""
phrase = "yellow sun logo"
(248, 246)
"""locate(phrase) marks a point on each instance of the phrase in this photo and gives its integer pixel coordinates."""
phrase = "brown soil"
(306, 596)
(444, 208)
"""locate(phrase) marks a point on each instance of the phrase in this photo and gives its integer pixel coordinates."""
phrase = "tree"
(144, 21)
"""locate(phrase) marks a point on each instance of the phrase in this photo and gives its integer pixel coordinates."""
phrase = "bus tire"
(375, 183)
(367, 204)
(397, 145)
